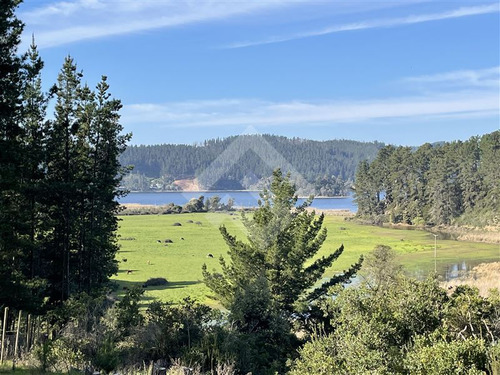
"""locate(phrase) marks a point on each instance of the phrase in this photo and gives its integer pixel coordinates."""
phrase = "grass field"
(180, 262)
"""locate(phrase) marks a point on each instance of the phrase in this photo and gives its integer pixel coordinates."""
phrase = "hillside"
(246, 162)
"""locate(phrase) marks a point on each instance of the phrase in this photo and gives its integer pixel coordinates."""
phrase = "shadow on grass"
(127, 271)
(173, 285)
(123, 286)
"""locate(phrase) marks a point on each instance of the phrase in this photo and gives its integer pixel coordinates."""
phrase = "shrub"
(155, 281)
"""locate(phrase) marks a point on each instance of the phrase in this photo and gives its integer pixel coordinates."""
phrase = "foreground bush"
(392, 324)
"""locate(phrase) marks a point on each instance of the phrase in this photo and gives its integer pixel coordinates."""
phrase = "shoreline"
(230, 191)
(152, 209)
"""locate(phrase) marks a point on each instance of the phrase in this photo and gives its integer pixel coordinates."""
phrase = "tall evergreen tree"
(444, 187)
(12, 257)
(34, 165)
(106, 145)
(366, 193)
(489, 171)
(282, 239)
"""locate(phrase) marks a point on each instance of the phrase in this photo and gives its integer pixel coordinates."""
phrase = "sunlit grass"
(180, 262)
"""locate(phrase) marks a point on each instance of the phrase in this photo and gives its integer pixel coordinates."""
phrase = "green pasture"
(180, 262)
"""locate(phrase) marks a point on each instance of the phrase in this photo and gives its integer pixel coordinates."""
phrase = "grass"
(180, 262)
(6, 368)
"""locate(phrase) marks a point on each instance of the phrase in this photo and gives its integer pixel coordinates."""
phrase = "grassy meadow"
(145, 254)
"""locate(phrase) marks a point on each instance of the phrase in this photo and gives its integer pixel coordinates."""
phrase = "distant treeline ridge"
(327, 167)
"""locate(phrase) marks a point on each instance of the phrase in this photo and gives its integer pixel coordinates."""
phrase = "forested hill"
(328, 167)
(446, 183)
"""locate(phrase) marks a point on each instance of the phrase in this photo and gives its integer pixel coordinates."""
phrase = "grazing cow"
(159, 241)
(182, 238)
(210, 255)
(129, 272)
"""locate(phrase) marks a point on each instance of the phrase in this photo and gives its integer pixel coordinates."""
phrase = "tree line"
(59, 178)
(454, 182)
(327, 167)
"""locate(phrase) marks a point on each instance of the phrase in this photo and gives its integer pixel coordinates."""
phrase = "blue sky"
(402, 71)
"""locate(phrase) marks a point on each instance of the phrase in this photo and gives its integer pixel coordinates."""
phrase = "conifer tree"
(34, 163)
(282, 240)
(61, 174)
(106, 143)
(12, 256)
(366, 194)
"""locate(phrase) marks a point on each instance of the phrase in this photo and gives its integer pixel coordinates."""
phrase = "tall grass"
(485, 277)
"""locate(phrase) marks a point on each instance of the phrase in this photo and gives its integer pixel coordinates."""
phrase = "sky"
(404, 72)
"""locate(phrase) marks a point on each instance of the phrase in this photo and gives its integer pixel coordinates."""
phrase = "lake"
(241, 199)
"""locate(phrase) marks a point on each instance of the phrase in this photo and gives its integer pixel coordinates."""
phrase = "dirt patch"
(188, 184)
(332, 212)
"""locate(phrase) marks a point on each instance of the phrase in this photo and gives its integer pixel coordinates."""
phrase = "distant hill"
(246, 162)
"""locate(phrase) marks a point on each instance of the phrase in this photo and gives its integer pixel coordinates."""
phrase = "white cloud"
(262, 113)
(66, 22)
(457, 94)
(378, 23)
(481, 78)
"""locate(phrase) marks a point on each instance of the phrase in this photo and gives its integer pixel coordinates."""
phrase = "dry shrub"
(485, 276)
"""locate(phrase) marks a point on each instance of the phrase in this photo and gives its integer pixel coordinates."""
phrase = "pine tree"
(61, 181)
(444, 188)
(282, 240)
(366, 194)
(34, 124)
(12, 227)
(106, 145)
(490, 172)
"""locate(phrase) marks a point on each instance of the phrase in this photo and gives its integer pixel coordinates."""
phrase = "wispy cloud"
(262, 113)
(65, 22)
(378, 23)
(456, 94)
(468, 79)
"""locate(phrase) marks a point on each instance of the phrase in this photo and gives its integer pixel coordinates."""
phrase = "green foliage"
(437, 356)
(328, 167)
(127, 310)
(45, 355)
(107, 356)
(272, 275)
(441, 184)
(59, 179)
(392, 324)
(173, 331)
(13, 260)
(281, 239)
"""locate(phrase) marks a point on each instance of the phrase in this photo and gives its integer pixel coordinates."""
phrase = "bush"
(432, 355)
(155, 281)
(106, 358)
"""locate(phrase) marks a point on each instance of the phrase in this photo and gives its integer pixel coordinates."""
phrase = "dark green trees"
(272, 276)
(439, 184)
(327, 167)
(12, 229)
(83, 173)
(59, 178)
(282, 241)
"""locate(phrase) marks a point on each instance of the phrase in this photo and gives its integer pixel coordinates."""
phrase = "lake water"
(241, 199)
